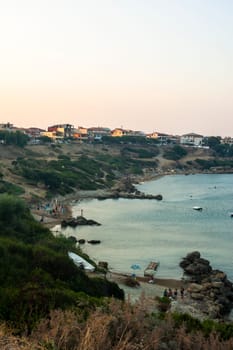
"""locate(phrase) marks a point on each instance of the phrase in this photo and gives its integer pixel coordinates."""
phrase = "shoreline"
(69, 200)
(144, 289)
(50, 220)
(162, 282)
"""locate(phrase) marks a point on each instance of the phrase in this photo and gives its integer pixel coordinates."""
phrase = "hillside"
(42, 171)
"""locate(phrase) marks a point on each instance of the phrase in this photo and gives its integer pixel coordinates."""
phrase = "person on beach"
(175, 294)
(170, 294)
(182, 293)
(165, 293)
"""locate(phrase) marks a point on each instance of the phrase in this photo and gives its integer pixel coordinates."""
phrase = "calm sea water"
(140, 231)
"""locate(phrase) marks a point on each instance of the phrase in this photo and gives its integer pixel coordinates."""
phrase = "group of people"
(54, 208)
(173, 294)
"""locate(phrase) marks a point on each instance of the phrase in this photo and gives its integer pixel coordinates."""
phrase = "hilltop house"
(62, 130)
(96, 133)
(80, 133)
(6, 126)
(227, 140)
(162, 139)
(119, 132)
(192, 139)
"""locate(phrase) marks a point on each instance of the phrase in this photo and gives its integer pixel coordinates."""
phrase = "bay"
(140, 231)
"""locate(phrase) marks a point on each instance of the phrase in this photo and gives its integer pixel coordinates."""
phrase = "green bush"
(9, 188)
(224, 330)
(175, 153)
(36, 273)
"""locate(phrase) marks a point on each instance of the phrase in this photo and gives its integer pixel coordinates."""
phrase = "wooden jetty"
(151, 268)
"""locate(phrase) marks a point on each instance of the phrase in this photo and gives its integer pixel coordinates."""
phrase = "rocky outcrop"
(195, 267)
(140, 195)
(80, 220)
(126, 189)
(209, 292)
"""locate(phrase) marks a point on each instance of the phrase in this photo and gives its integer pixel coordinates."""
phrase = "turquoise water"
(140, 231)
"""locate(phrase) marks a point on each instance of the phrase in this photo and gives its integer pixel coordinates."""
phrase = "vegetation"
(13, 138)
(36, 274)
(139, 140)
(207, 164)
(221, 150)
(63, 175)
(175, 152)
(9, 188)
(122, 326)
(148, 152)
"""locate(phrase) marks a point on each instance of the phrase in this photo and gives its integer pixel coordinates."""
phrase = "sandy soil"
(145, 289)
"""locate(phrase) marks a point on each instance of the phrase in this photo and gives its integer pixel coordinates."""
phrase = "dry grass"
(11, 342)
(124, 327)
(116, 326)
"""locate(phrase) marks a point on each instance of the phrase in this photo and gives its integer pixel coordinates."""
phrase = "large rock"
(195, 266)
(194, 287)
(80, 220)
(190, 258)
(212, 292)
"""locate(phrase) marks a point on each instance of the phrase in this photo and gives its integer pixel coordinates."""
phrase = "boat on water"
(198, 208)
(151, 268)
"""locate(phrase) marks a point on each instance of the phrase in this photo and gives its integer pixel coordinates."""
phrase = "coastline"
(50, 220)
(145, 288)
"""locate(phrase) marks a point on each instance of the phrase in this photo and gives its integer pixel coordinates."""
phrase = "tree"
(213, 141)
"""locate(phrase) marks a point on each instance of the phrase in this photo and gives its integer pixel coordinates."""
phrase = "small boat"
(151, 268)
(197, 208)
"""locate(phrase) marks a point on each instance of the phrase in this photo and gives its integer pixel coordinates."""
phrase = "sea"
(134, 232)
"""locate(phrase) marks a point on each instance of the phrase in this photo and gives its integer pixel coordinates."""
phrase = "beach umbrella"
(135, 267)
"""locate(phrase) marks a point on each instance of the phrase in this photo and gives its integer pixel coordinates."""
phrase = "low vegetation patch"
(115, 325)
(9, 188)
(36, 274)
(175, 152)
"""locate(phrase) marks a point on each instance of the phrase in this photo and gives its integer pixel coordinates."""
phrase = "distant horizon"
(155, 65)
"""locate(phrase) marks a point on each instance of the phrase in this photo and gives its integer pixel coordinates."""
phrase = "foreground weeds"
(114, 326)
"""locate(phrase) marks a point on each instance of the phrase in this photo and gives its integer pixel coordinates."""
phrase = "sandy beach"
(146, 289)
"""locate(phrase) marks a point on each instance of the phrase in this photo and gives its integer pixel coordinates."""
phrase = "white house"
(192, 139)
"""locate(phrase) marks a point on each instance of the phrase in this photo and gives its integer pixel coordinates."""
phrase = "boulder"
(217, 285)
(190, 258)
(197, 269)
(197, 296)
(79, 220)
(193, 256)
(194, 287)
(212, 292)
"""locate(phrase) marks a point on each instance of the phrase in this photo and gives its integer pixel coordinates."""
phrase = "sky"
(149, 65)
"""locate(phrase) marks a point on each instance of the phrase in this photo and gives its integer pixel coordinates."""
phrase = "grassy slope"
(101, 153)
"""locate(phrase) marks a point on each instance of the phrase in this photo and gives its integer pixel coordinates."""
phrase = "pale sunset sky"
(149, 65)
